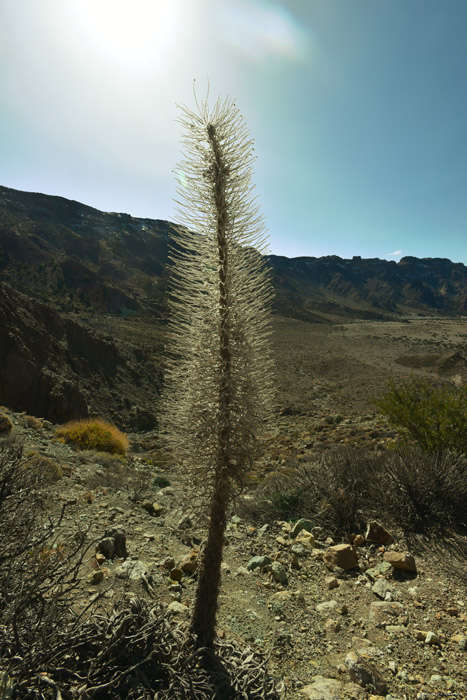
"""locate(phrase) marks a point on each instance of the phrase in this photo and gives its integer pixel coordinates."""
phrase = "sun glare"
(130, 32)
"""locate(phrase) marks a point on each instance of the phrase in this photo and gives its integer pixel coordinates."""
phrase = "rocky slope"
(78, 257)
(340, 622)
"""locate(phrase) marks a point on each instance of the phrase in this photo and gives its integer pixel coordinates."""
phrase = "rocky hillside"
(77, 257)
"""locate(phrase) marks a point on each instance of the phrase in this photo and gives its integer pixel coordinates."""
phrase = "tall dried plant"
(218, 388)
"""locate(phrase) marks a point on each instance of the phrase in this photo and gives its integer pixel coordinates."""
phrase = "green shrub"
(435, 416)
(94, 434)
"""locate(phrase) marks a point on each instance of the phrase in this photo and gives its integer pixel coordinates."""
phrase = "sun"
(130, 31)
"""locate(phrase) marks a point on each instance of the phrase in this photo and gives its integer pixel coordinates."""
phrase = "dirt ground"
(342, 367)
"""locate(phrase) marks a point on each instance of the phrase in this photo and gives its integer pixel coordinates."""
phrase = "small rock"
(326, 607)
(282, 541)
(300, 525)
(189, 564)
(106, 547)
(167, 563)
(341, 555)
(381, 588)
(323, 689)
(363, 672)
(132, 569)
(332, 625)
(383, 611)
(294, 563)
(279, 573)
(358, 541)
(377, 533)
(374, 572)
(176, 574)
(432, 638)
(119, 538)
(147, 505)
(177, 608)
(400, 560)
(306, 539)
(153, 508)
(284, 595)
(96, 577)
(242, 571)
(395, 629)
(331, 582)
(100, 558)
(299, 550)
(436, 679)
(258, 563)
(420, 635)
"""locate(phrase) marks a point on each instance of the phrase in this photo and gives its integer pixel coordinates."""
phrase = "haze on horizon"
(358, 110)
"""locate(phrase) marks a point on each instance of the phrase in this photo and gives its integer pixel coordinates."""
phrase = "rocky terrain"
(376, 619)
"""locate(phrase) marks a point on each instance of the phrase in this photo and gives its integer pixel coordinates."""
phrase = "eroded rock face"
(35, 370)
(56, 368)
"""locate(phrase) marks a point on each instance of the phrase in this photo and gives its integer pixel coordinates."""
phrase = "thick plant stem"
(204, 617)
(203, 622)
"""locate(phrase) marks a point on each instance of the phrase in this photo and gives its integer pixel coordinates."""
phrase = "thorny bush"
(342, 489)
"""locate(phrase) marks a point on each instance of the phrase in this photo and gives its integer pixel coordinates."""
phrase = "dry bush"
(5, 424)
(341, 490)
(34, 423)
(94, 434)
(46, 467)
(38, 567)
(133, 652)
(425, 492)
(139, 653)
(331, 491)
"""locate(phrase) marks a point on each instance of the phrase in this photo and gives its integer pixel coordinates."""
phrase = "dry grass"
(94, 434)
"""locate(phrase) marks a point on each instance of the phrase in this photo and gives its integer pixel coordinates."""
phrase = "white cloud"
(395, 254)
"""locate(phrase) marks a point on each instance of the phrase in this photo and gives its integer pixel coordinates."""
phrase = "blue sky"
(358, 109)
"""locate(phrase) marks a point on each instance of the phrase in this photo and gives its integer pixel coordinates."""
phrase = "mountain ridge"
(108, 258)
